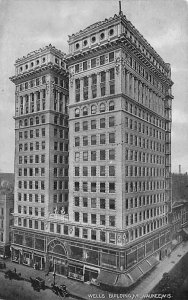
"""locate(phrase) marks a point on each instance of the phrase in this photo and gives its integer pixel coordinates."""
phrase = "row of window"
(143, 186)
(94, 124)
(86, 110)
(39, 132)
(32, 121)
(95, 219)
(35, 185)
(31, 197)
(31, 171)
(102, 139)
(31, 159)
(142, 114)
(142, 128)
(136, 171)
(32, 83)
(32, 146)
(31, 210)
(101, 203)
(139, 156)
(93, 187)
(144, 215)
(94, 62)
(31, 223)
(61, 185)
(95, 155)
(141, 142)
(95, 171)
(58, 198)
(144, 200)
(61, 159)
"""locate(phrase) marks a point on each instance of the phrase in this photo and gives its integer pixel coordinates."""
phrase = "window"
(102, 107)
(94, 155)
(85, 125)
(76, 186)
(93, 171)
(102, 236)
(93, 187)
(102, 220)
(93, 202)
(85, 65)
(102, 187)
(76, 201)
(77, 112)
(76, 216)
(77, 141)
(77, 171)
(111, 170)
(102, 204)
(102, 59)
(85, 233)
(77, 68)
(85, 217)
(102, 171)
(102, 123)
(93, 109)
(103, 76)
(93, 140)
(85, 140)
(111, 105)
(102, 139)
(112, 221)
(85, 171)
(111, 56)
(112, 74)
(85, 156)
(85, 186)
(93, 124)
(112, 204)
(112, 137)
(102, 154)
(111, 121)
(93, 219)
(85, 202)
(111, 187)
(93, 62)
(85, 111)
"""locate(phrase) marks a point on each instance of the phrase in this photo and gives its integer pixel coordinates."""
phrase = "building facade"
(6, 221)
(117, 227)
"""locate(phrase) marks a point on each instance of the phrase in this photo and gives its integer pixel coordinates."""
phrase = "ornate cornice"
(46, 67)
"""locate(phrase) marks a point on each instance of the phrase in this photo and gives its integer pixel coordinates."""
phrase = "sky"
(27, 25)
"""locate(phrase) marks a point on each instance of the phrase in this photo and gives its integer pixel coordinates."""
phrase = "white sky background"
(27, 25)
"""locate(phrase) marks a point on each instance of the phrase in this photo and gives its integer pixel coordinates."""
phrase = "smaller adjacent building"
(6, 221)
(179, 219)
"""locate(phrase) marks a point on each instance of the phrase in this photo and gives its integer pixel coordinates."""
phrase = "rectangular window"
(85, 125)
(93, 171)
(93, 124)
(102, 220)
(112, 204)
(102, 154)
(76, 127)
(93, 63)
(85, 156)
(85, 202)
(93, 140)
(93, 235)
(93, 187)
(102, 123)
(102, 187)
(102, 59)
(77, 171)
(111, 121)
(102, 171)
(85, 186)
(85, 141)
(111, 187)
(102, 139)
(102, 203)
(85, 217)
(111, 56)
(85, 171)
(112, 154)
(76, 201)
(93, 202)
(93, 219)
(94, 155)
(112, 137)
(111, 170)
(85, 65)
(112, 221)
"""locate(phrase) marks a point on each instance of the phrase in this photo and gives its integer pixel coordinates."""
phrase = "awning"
(185, 230)
(152, 261)
(107, 278)
(144, 266)
(124, 280)
(135, 274)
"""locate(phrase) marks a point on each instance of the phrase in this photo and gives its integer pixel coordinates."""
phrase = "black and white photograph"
(93, 149)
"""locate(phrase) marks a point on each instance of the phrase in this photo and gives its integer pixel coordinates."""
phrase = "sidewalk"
(81, 290)
(148, 283)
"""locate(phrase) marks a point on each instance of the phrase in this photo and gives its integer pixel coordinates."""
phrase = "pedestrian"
(14, 270)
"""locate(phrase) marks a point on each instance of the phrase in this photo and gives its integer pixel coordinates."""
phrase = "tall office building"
(41, 149)
(117, 227)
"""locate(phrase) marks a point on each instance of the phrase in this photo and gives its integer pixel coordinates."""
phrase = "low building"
(6, 220)
(179, 221)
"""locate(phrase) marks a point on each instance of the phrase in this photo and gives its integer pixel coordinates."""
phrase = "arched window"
(77, 112)
(93, 109)
(20, 123)
(37, 120)
(25, 122)
(43, 119)
(85, 111)
(111, 105)
(102, 107)
(31, 121)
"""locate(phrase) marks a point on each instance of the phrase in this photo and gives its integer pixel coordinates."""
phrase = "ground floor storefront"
(88, 262)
